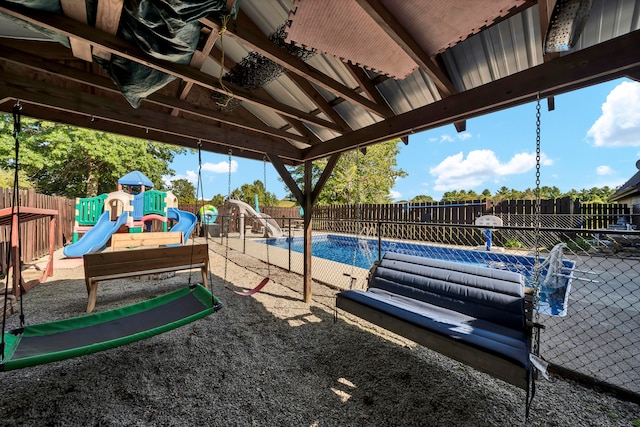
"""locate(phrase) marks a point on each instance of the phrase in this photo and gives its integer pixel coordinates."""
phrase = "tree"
(357, 178)
(450, 196)
(217, 200)
(503, 193)
(184, 190)
(547, 192)
(528, 194)
(7, 178)
(76, 162)
(247, 193)
(422, 199)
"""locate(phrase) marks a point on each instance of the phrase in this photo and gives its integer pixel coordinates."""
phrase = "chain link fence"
(588, 279)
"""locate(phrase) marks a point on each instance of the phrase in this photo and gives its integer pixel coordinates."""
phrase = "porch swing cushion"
(473, 314)
(79, 336)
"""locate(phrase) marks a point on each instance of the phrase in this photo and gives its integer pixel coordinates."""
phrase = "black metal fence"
(588, 279)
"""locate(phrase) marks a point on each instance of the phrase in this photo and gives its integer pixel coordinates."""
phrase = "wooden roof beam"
(367, 86)
(77, 10)
(246, 32)
(112, 44)
(545, 9)
(81, 120)
(634, 75)
(107, 20)
(73, 74)
(320, 102)
(310, 137)
(304, 86)
(402, 38)
(197, 61)
(394, 29)
(609, 60)
(286, 177)
(45, 94)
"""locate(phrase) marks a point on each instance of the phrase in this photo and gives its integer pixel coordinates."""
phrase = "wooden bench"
(121, 264)
(476, 315)
(130, 240)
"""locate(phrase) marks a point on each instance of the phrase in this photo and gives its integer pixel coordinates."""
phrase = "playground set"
(122, 219)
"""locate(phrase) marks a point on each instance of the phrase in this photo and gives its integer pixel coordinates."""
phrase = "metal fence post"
(379, 231)
(289, 244)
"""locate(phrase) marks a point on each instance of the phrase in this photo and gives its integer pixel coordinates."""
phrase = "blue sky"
(591, 139)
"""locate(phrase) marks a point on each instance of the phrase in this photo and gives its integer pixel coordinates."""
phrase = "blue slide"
(186, 222)
(97, 236)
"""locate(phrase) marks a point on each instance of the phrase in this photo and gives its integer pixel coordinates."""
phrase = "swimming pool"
(362, 252)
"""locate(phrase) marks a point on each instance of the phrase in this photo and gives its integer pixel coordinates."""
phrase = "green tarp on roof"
(167, 30)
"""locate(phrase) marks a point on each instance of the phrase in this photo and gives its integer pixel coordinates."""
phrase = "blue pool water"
(364, 252)
(344, 248)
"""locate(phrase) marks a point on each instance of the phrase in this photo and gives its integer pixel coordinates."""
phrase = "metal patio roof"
(323, 105)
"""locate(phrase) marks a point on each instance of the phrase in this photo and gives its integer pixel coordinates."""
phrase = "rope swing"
(264, 281)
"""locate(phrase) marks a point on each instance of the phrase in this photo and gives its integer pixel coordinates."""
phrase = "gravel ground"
(270, 360)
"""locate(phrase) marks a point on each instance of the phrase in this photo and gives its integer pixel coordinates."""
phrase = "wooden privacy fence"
(556, 213)
(583, 215)
(594, 215)
(34, 235)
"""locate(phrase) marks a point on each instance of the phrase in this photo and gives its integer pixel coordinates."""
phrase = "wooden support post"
(308, 207)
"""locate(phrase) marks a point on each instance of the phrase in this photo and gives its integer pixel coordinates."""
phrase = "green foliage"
(7, 178)
(460, 196)
(513, 243)
(247, 193)
(357, 178)
(593, 195)
(578, 245)
(75, 162)
(422, 199)
(184, 190)
(217, 200)
(547, 192)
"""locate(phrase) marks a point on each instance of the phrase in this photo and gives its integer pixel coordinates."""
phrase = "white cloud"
(619, 124)
(604, 170)
(190, 176)
(446, 138)
(464, 136)
(395, 195)
(455, 172)
(220, 167)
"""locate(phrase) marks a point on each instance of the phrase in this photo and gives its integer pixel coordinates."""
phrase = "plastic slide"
(97, 236)
(273, 228)
(186, 222)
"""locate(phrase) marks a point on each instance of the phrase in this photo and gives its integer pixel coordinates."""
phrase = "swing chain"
(15, 202)
(229, 180)
(537, 215)
(358, 218)
(264, 163)
(226, 229)
(17, 124)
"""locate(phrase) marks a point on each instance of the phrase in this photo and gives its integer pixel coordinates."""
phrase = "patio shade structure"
(295, 83)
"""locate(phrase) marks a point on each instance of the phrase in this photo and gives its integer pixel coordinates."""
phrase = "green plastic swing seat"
(64, 339)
